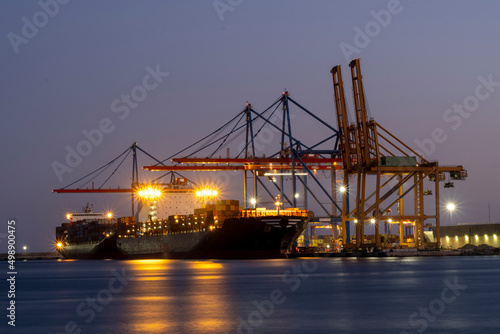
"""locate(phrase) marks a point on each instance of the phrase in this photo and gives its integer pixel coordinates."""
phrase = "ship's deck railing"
(294, 212)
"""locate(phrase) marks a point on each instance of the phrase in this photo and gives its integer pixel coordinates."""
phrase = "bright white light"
(253, 200)
(450, 206)
(372, 220)
(342, 189)
(389, 220)
(297, 195)
(206, 192)
(25, 247)
(355, 221)
(149, 193)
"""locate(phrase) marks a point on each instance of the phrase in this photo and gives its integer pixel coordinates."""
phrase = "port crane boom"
(368, 149)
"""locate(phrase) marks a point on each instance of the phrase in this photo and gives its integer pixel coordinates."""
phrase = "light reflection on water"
(335, 296)
(201, 302)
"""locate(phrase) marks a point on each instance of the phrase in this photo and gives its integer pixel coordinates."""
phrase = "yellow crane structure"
(368, 150)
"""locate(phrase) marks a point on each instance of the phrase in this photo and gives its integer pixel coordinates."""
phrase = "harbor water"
(293, 296)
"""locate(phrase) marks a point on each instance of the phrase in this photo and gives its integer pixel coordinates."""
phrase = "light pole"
(451, 207)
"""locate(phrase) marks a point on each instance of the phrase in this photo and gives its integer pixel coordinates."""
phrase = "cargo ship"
(88, 235)
(221, 230)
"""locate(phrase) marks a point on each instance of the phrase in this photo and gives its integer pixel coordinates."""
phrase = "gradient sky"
(63, 80)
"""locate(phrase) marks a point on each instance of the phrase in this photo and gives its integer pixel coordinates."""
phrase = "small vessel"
(88, 235)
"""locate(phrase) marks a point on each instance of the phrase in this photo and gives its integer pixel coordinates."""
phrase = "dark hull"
(238, 238)
(106, 249)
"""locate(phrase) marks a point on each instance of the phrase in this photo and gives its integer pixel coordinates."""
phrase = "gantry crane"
(293, 159)
(174, 186)
(368, 149)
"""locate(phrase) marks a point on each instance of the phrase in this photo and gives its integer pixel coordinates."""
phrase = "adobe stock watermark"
(223, 6)
(264, 136)
(457, 114)
(88, 309)
(293, 279)
(30, 28)
(436, 307)
(121, 107)
(363, 37)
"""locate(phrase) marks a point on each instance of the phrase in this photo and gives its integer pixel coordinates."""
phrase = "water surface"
(324, 295)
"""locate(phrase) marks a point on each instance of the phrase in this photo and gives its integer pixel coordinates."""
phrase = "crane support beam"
(253, 160)
(216, 168)
(342, 116)
(62, 191)
(103, 191)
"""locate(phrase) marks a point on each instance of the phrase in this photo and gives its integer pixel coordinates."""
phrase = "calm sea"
(326, 295)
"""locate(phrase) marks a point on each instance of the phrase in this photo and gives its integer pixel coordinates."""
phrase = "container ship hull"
(105, 249)
(237, 238)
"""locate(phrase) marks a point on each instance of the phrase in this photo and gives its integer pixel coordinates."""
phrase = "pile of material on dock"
(483, 249)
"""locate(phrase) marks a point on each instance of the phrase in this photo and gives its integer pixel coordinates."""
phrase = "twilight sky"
(427, 66)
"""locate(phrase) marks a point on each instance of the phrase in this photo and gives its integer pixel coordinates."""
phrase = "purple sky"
(63, 79)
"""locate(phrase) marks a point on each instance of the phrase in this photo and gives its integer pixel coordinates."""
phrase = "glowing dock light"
(451, 207)
(109, 215)
(372, 220)
(355, 221)
(253, 201)
(69, 216)
(149, 192)
(389, 220)
(207, 193)
(466, 238)
(25, 247)
(59, 244)
(343, 189)
(297, 195)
